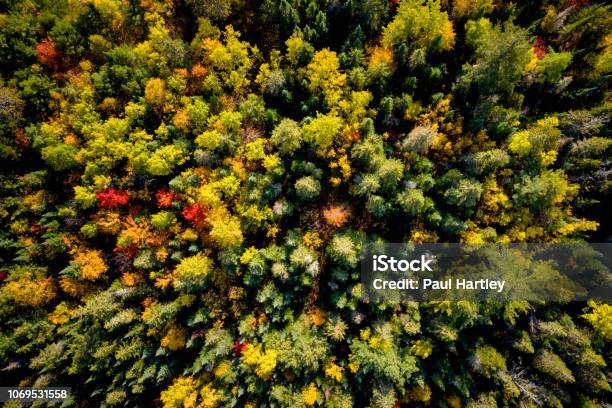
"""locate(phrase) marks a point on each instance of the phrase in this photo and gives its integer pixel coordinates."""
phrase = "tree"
(419, 139)
(501, 54)
(307, 188)
(322, 131)
(325, 76)
(287, 136)
(425, 25)
(411, 201)
(214, 9)
(188, 189)
(191, 273)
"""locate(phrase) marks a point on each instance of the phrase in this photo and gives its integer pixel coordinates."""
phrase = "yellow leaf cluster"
(419, 394)
(155, 92)
(31, 292)
(334, 371)
(182, 389)
(91, 263)
(174, 338)
(421, 348)
(248, 255)
(60, 315)
(324, 75)
(73, 287)
(600, 318)
(263, 361)
(577, 226)
(310, 394)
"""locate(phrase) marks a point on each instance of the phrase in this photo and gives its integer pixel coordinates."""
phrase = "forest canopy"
(186, 188)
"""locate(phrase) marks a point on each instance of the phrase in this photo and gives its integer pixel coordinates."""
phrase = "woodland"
(186, 187)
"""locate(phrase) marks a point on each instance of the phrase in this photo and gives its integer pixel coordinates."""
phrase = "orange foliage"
(48, 54)
(109, 222)
(91, 264)
(131, 279)
(155, 92)
(336, 215)
(381, 61)
(198, 71)
(74, 287)
(138, 234)
(317, 317)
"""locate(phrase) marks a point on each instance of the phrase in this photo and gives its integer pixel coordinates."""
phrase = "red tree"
(48, 54)
(164, 198)
(539, 48)
(195, 214)
(111, 198)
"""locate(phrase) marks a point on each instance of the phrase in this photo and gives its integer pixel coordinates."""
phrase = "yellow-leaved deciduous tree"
(423, 23)
(324, 75)
(380, 62)
(226, 231)
(191, 272)
(91, 264)
(60, 315)
(540, 141)
(174, 338)
(603, 62)
(298, 50)
(332, 370)
(155, 92)
(230, 61)
(495, 205)
(600, 318)
(211, 397)
(31, 291)
(355, 107)
(310, 394)
(322, 131)
(110, 9)
(163, 160)
(263, 361)
(183, 389)
(471, 8)
(74, 287)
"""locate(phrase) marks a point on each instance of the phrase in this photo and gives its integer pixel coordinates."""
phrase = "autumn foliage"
(48, 54)
(187, 189)
(111, 198)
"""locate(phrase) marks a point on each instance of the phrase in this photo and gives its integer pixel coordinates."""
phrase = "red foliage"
(111, 197)
(577, 3)
(165, 198)
(135, 210)
(36, 228)
(195, 214)
(48, 55)
(129, 251)
(239, 347)
(539, 48)
(3, 275)
(21, 139)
